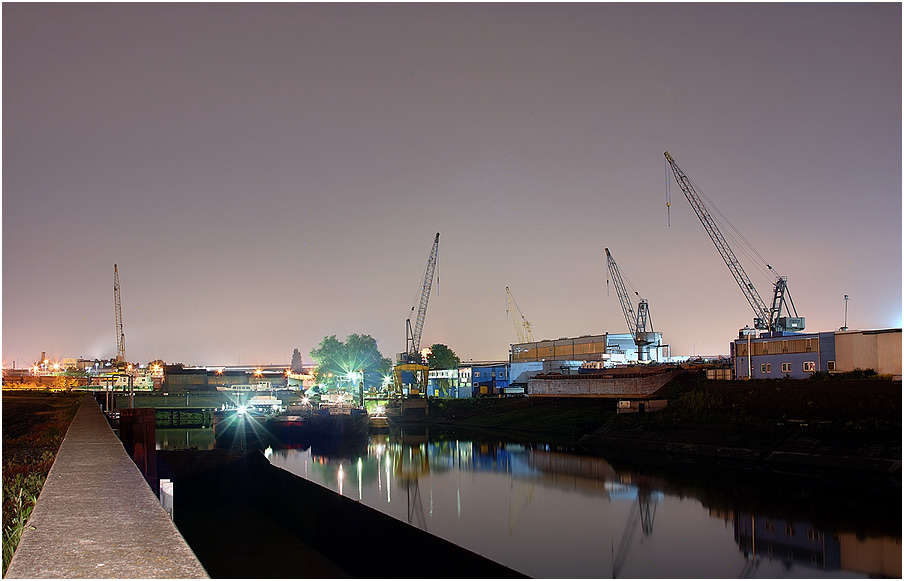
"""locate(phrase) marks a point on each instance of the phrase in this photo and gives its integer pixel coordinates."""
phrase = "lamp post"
(846, 299)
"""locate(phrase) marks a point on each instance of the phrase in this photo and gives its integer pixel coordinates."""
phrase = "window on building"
(769, 526)
(762, 368)
(768, 368)
(812, 535)
(809, 366)
(784, 346)
(830, 365)
(786, 368)
(809, 344)
(789, 530)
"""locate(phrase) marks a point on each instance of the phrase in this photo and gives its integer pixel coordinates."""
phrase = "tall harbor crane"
(117, 305)
(766, 318)
(522, 325)
(413, 336)
(637, 323)
(411, 361)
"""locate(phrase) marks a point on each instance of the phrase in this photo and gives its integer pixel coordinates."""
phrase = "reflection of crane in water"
(408, 471)
(527, 487)
(644, 511)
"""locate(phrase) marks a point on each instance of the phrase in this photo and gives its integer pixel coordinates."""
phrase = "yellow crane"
(411, 362)
(522, 325)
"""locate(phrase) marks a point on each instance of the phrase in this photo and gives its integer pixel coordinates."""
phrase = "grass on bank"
(34, 424)
(854, 402)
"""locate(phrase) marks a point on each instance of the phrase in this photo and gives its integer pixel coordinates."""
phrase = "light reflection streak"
(388, 480)
(360, 478)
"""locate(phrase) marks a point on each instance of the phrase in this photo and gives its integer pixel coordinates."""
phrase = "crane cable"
(740, 240)
(668, 194)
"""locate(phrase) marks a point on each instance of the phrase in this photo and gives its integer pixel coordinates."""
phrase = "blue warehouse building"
(773, 355)
(780, 353)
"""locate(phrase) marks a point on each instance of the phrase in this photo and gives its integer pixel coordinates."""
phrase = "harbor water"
(552, 512)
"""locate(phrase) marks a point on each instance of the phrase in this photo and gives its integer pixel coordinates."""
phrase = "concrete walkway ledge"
(96, 517)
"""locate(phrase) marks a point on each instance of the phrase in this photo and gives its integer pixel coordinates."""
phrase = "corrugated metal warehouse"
(879, 350)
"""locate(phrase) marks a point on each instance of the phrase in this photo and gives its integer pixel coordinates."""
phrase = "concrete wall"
(96, 517)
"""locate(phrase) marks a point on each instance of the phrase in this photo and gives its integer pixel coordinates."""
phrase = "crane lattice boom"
(413, 338)
(766, 318)
(522, 326)
(637, 322)
(622, 291)
(117, 305)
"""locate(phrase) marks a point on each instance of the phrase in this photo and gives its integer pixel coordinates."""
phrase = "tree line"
(337, 361)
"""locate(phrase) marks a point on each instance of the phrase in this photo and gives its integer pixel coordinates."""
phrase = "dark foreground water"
(554, 513)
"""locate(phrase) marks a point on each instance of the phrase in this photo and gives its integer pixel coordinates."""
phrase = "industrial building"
(798, 355)
(469, 380)
(567, 355)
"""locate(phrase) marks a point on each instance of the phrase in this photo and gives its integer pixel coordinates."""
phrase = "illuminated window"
(789, 530)
(769, 526)
(809, 366)
(786, 368)
(812, 535)
(830, 365)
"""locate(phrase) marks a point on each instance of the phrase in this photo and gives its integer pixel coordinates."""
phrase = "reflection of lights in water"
(341, 478)
(388, 480)
(268, 453)
(360, 478)
(458, 501)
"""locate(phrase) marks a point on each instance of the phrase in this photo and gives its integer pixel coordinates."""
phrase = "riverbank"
(804, 427)
(34, 424)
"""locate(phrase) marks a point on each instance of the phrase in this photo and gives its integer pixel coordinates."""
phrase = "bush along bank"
(34, 425)
(839, 424)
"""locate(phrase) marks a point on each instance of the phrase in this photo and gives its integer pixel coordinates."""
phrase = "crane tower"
(637, 323)
(766, 318)
(410, 363)
(117, 305)
(522, 326)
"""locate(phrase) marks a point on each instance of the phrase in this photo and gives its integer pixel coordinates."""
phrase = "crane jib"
(766, 318)
(414, 335)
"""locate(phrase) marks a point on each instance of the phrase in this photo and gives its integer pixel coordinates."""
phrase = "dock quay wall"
(641, 384)
(96, 516)
(315, 523)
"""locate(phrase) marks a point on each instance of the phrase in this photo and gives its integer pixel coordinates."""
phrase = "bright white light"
(242, 409)
(379, 410)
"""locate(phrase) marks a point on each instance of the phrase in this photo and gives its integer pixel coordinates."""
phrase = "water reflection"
(552, 513)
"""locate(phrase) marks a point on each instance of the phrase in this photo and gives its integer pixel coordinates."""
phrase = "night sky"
(267, 175)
